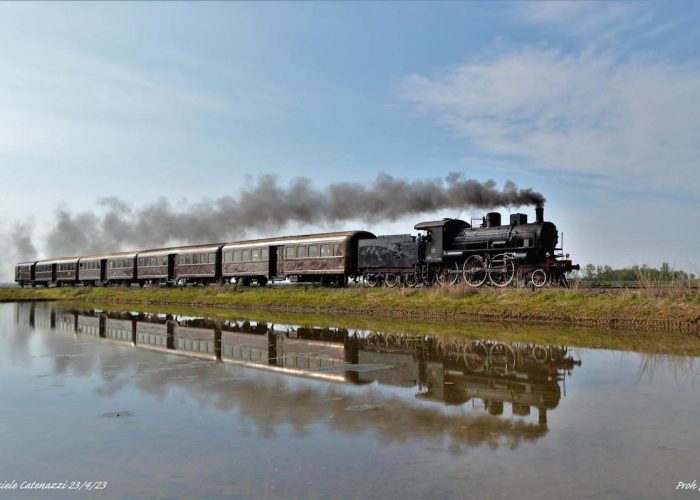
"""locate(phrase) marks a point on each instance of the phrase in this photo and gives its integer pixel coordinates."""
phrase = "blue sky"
(596, 105)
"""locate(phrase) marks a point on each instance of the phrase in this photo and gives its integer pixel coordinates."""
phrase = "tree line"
(643, 273)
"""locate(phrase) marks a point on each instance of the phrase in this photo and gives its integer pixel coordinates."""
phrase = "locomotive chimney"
(493, 219)
(539, 213)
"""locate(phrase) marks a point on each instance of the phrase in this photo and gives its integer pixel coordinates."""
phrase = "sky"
(141, 105)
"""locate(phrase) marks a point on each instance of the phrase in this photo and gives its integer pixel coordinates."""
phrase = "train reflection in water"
(489, 374)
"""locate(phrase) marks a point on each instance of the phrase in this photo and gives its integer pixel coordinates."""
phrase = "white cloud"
(603, 22)
(586, 112)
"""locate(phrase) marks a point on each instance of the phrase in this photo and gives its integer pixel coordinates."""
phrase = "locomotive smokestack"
(539, 213)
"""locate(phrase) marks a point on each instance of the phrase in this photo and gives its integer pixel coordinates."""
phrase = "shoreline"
(675, 309)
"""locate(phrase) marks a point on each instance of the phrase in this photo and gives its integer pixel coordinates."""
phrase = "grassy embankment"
(675, 308)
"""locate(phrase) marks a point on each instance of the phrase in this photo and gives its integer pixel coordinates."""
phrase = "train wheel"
(246, 281)
(391, 280)
(539, 278)
(501, 270)
(262, 281)
(449, 275)
(475, 271)
(410, 280)
(372, 280)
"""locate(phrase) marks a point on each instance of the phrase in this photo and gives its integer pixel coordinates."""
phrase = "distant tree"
(635, 273)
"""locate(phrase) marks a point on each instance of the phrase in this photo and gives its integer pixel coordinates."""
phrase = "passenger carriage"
(156, 266)
(66, 271)
(92, 270)
(121, 268)
(24, 273)
(326, 258)
(198, 264)
(44, 272)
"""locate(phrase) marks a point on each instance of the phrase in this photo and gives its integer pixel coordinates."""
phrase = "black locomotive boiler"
(451, 250)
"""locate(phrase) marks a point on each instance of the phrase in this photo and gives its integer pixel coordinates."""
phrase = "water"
(161, 406)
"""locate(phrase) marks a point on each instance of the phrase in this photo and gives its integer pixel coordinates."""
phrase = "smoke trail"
(266, 206)
(21, 239)
(15, 245)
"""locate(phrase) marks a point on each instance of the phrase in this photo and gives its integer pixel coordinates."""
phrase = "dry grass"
(675, 307)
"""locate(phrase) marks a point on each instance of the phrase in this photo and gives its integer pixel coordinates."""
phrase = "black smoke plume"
(267, 207)
(15, 245)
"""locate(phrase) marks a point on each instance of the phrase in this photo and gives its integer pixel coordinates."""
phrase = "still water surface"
(163, 406)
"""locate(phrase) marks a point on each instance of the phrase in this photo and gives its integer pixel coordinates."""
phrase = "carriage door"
(277, 261)
(171, 266)
(103, 270)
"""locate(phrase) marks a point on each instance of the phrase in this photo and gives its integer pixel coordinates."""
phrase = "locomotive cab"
(439, 236)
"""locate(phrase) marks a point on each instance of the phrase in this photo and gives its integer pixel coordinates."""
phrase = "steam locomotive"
(451, 250)
(445, 251)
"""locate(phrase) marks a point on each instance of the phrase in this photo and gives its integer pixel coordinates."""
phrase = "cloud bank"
(585, 112)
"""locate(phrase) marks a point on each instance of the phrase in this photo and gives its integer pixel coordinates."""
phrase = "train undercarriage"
(500, 270)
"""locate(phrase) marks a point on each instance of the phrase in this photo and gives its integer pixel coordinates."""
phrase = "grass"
(669, 308)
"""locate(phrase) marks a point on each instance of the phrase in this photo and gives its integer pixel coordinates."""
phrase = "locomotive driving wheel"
(449, 275)
(475, 271)
(501, 270)
(539, 278)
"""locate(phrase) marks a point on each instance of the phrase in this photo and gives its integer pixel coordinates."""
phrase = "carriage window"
(289, 252)
(195, 258)
(212, 258)
(301, 252)
(325, 250)
(189, 259)
(313, 251)
(246, 255)
(227, 257)
(255, 254)
(164, 260)
(237, 256)
(264, 254)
